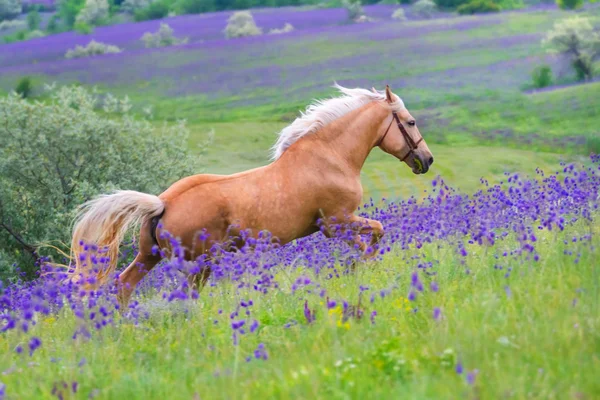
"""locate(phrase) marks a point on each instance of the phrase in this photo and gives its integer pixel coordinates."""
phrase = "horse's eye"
(412, 123)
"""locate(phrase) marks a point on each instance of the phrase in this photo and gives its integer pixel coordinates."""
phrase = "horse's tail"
(103, 222)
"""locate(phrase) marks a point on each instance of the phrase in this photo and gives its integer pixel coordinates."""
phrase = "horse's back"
(186, 184)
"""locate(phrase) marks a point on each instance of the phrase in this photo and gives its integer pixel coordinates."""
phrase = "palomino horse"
(315, 176)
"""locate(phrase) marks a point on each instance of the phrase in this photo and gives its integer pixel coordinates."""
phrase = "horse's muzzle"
(421, 166)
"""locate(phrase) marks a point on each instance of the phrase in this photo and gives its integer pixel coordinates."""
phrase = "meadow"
(486, 284)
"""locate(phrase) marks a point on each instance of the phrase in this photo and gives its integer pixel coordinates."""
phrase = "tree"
(578, 42)
(569, 4)
(33, 20)
(10, 9)
(241, 24)
(424, 8)
(94, 12)
(353, 8)
(55, 155)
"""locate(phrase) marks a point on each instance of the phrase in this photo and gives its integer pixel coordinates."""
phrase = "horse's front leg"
(371, 226)
(360, 226)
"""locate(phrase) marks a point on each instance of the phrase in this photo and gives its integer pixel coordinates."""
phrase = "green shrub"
(12, 24)
(94, 12)
(24, 87)
(33, 20)
(83, 28)
(446, 4)
(287, 28)
(67, 150)
(195, 6)
(389, 2)
(399, 15)
(23, 35)
(54, 24)
(569, 4)
(478, 7)
(241, 24)
(354, 9)
(93, 48)
(156, 10)
(10, 9)
(424, 8)
(163, 38)
(578, 42)
(68, 11)
(133, 6)
(542, 76)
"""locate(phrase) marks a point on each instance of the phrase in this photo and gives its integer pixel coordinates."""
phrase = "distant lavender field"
(456, 54)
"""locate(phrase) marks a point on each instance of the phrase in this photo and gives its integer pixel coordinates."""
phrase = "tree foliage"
(163, 38)
(478, 7)
(424, 8)
(94, 12)
(569, 4)
(55, 155)
(93, 48)
(354, 9)
(68, 11)
(577, 41)
(241, 24)
(10, 9)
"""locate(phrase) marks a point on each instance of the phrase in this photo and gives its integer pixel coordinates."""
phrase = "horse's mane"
(323, 112)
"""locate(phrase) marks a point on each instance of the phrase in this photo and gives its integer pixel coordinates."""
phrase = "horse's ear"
(388, 94)
(374, 90)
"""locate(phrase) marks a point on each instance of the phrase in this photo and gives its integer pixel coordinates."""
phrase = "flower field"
(486, 284)
(489, 294)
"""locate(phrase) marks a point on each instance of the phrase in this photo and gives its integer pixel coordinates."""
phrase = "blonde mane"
(323, 112)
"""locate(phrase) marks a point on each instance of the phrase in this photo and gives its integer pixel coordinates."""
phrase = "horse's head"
(402, 139)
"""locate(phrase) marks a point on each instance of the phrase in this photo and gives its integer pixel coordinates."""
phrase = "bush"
(195, 6)
(94, 12)
(156, 10)
(450, 3)
(578, 42)
(353, 8)
(66, 151)
(478, 7)
(389, 2)
(83, 28)
(399, 15)
(163, 38)
(569, 4)
(68, 11)
(92, 49)
(424, 8)
(133, 6)
(24, 87)
(53, 24)
(22, 35)
(241, 24)
(33, 20)
(10, 9)
(286, 29)
(542, 76)
(11, 24)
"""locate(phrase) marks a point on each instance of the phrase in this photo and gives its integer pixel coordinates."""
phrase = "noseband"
(412, 145)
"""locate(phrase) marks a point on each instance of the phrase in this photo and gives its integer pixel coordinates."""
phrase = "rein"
(412, 145)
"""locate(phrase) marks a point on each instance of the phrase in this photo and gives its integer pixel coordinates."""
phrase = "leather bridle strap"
(412, 145)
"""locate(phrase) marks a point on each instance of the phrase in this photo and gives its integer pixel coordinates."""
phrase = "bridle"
(412, 145)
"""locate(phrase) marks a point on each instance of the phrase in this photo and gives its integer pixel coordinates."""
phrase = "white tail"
(104, 221)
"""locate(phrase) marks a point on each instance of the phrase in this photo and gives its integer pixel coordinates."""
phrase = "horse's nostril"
(430, 160)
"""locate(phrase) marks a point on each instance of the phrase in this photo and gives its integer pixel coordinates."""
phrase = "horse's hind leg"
(143, 263)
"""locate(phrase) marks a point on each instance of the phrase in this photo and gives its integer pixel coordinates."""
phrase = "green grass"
(540, 342)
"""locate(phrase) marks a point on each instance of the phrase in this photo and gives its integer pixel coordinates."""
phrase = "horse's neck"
(351, 138)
